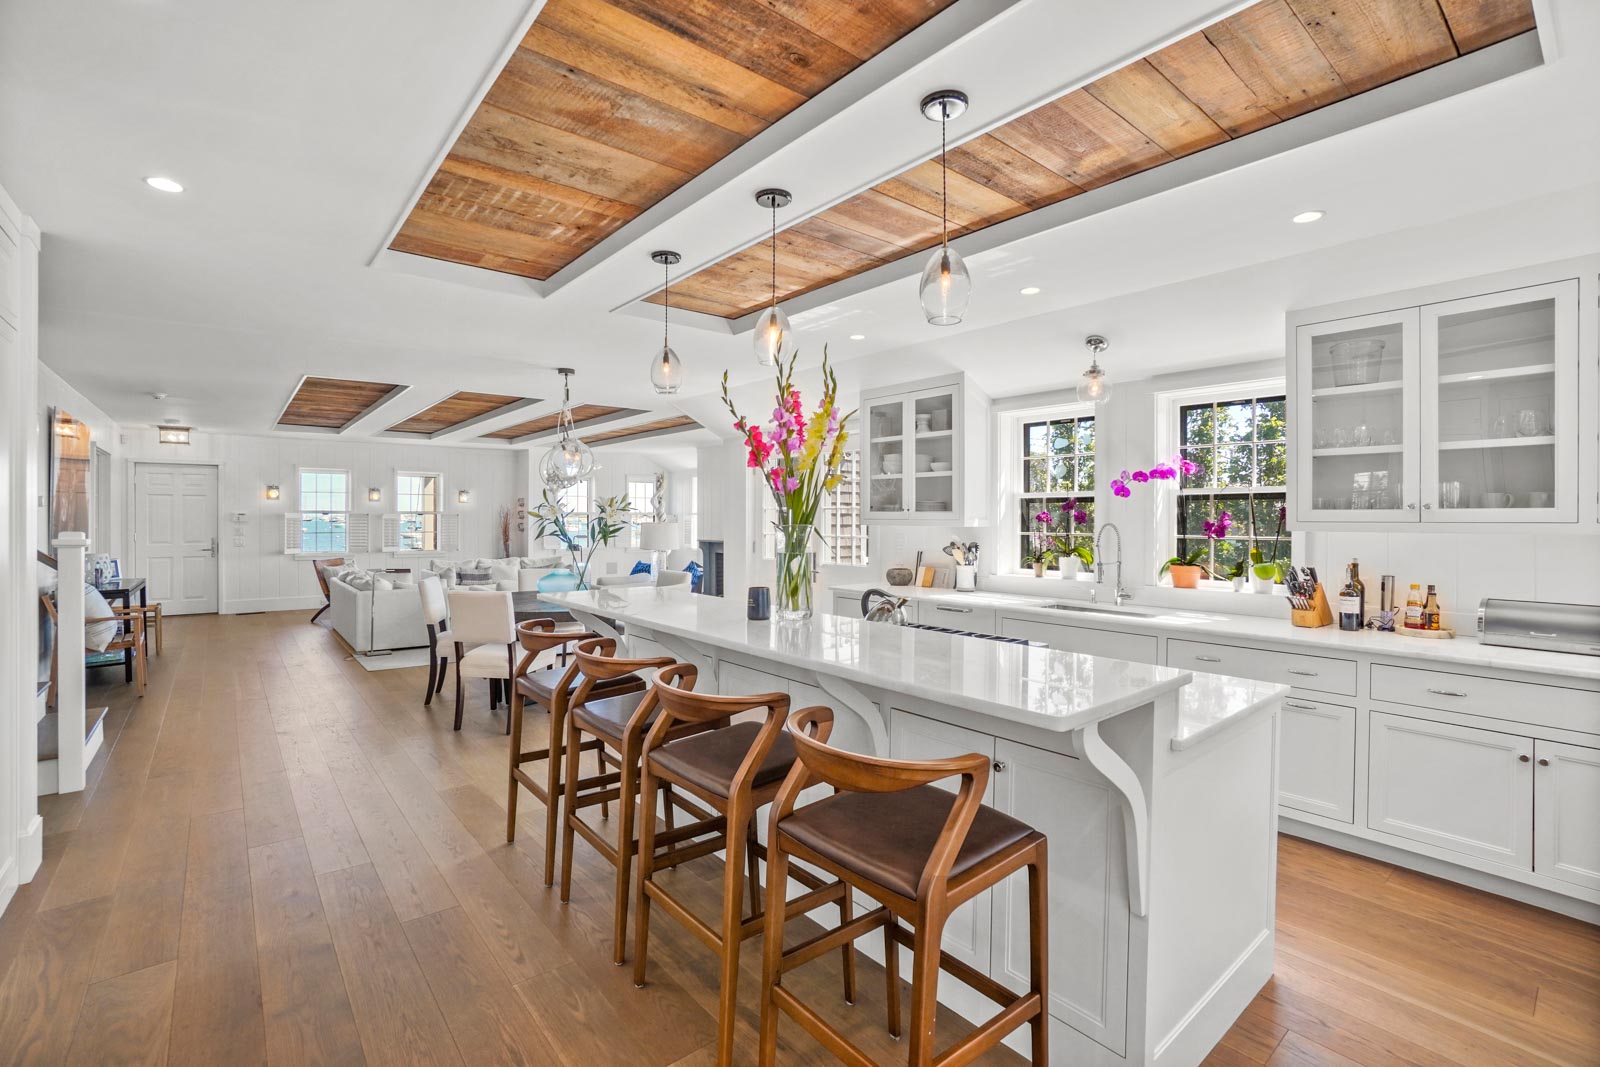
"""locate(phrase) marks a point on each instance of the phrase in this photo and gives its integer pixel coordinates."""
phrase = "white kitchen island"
(1157, 789)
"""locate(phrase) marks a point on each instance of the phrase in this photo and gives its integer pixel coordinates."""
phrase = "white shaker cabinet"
(1454, 787)
(1452, 405)
(1317, 758)
(926, 458)
(1566, 803)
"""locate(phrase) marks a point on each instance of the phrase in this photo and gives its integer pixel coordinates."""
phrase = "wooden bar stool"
(551, 688)
(618, 723)
(734, 771)
(919, 851)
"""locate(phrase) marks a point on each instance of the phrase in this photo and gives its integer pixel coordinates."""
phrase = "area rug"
(405, 657)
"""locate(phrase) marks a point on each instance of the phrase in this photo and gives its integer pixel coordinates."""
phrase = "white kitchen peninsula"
(1156, 787)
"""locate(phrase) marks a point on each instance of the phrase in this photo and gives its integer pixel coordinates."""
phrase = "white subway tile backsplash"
(1567, 567)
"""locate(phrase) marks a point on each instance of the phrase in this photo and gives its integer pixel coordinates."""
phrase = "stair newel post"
(71, 548)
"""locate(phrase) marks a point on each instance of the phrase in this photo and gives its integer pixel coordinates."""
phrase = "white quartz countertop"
(1212, 702)
(1035, 686)
(1215, 626)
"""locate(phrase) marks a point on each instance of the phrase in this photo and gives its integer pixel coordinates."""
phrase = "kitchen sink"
(1097, 609)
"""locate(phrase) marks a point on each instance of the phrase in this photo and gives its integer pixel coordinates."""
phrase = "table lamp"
(659, 538)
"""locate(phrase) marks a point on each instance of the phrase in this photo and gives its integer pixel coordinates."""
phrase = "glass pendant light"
(1094, 389)
(772, 328)
(569, 460)
(666, 373)
(946, 285)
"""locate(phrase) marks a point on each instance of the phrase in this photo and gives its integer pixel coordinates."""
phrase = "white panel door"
(966, 932)
(175, 535)
(1566, 813)
(1461, 789)
(1317, 758)
(1086, 891)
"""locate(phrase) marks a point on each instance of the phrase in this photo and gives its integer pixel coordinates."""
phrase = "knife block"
(1319, 614)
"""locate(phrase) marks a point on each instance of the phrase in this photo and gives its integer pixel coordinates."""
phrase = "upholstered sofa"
(381, 610)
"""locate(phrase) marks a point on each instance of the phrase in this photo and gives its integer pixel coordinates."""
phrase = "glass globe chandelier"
(666, 373)
(1095, 389)
(946, 285)
(772, 328)
(569, 460)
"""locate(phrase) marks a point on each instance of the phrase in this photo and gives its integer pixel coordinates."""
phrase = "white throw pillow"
(505, 586)
(97, 635)
(403, 579)
(504, 572)
(379, 582)
(362, 582)
(542, 562)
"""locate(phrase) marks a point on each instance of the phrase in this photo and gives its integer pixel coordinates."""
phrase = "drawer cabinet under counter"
(1494, 698)
(1297, 670)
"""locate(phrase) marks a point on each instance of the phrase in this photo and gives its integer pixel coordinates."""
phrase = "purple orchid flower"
(1080, 517)
(1141, 476)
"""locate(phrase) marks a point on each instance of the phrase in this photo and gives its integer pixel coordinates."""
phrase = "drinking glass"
(1527, 423)
(1361, 436)
(1340, 438)
(1499, 427)
(1449, 494)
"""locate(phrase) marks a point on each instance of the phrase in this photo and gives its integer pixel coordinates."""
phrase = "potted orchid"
(799, 456)
(1264, 574)
(1187, 570)
(1041, 555)
(1071, 557)
(553, 518)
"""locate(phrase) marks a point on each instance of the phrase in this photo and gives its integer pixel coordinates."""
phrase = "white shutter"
(391, 533)
(291, 533)
(357, 533)
(450, 533)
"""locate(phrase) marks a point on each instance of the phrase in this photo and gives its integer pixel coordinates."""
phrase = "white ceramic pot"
(1067, 566)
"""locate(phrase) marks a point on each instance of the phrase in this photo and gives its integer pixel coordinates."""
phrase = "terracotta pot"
(1038, 570)
(1185, 577)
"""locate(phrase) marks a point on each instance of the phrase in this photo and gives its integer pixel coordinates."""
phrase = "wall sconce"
(272, 492)
(464, 496)
(374, 495)
(173, 435)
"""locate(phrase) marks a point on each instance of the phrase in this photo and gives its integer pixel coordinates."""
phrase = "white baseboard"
(273, 603)
(8, 883)
(49, 781)
(30, 849)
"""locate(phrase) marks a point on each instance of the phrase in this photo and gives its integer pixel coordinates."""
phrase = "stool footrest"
(824, 943)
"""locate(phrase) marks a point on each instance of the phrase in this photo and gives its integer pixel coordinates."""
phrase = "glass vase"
(794, 581)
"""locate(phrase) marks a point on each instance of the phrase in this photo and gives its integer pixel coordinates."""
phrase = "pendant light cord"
(944, 177)
(666, 299)
(774, 253)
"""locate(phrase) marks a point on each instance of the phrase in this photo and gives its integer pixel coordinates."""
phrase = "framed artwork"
(71, 457)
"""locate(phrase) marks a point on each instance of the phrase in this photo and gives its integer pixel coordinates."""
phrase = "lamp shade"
(660, 536)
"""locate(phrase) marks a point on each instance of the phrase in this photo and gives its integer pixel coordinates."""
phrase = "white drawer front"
(1140, 648)
(1317, 758)
(847, 604)
(979, 620)
(1322, 673)
(1544, 705)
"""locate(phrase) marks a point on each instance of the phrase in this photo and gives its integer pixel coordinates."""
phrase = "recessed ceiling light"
(1309, 216)
(858, 337)
(166, 185)
(1029, 290)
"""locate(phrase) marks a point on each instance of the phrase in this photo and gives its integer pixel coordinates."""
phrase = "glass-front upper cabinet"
(885, 474)
(927, 442)
(1500, 406)
(1355, 390)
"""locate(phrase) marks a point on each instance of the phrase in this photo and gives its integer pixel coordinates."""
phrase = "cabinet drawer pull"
(1303, 674)
(1302, 707)
(1524, 758)
(958, 611)
(1209, 659)
(1447, 692)
(1536, 633)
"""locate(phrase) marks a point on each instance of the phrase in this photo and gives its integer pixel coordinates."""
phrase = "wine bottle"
(1414, 607)
(1430, 611)
(1351, 615)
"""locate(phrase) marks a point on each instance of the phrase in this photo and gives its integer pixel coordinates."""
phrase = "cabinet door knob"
(1544, 762)
(1524, 758)
(1427, 507)
(999, 766)
(1411, 506)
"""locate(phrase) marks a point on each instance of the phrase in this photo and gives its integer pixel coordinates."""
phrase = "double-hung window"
(642, 502)
(575, 500)
(841, 523)
(418, 496)
(1056, 454)
(1239, 444)
(324, 510)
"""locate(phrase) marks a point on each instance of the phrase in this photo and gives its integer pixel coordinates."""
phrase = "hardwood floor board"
(1347, 1030)
(126, 1020)
(1573, 1011)
(303, 998)
(1253, 1037)
(1297, 1051)
(395, 1011)
(330, 835)
(147, 906)
(42, 993)
(216, 1008)
(17, 920)
(490, 1023)
(92, 864)
(269, 811)
(589, 1019)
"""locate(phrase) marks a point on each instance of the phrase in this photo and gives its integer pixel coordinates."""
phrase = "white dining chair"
(441, 642)
(484, 627)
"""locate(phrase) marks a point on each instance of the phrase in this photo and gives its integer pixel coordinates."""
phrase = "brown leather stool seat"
(541, 685)
(889, 837)
(710, 760)
(608, 717)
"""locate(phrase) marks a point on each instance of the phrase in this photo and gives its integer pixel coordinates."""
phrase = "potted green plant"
(1265, 573)
(1070, 557)
(552, 518)
(1187, 570)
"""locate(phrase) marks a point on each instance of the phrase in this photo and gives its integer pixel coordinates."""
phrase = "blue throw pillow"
(640, 568)
(695, 571)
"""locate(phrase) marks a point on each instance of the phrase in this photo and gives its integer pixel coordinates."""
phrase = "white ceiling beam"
(402, 402)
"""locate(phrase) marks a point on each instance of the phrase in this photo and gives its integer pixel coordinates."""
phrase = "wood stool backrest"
(596, 661)
(674, 690)
(850, 772)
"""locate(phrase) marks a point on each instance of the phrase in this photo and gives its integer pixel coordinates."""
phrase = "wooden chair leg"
(458, 686)
(772, 951)
(891, 969)
(647, 851)
(752, 872)
(161, 641)
(494, 693)
(444, 669)
(626, 803)
(732, 916)
(569, 792)
(553, 791)
(847, 951)
(924, 987)
(320, 610)
(1038, 949)
(433, 672)
(514, 726)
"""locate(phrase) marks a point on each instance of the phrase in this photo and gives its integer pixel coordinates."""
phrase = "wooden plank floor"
(282, 858)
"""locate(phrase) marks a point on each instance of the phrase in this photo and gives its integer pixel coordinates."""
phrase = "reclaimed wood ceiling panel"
(673, 424)
(452, 411)
(609, 105)
(1265, 64)
(581, 414)
(331, 403)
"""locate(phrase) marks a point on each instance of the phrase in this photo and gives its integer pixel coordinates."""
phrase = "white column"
(70, 672)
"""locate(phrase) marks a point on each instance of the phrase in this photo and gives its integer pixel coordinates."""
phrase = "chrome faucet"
(1120, 594)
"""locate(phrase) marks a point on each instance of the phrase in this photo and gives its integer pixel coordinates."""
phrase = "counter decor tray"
(1444, 633)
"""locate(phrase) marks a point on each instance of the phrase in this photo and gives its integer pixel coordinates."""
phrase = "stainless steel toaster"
(1535, 624)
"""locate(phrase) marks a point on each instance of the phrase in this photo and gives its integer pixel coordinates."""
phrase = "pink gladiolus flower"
(791, 484)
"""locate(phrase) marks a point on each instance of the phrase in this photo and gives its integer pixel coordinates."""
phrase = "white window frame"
(1018, 504)
(343, 514)
(437, 514)
(641, 514)
(1168, 444)
(844, 520)
(578, 520)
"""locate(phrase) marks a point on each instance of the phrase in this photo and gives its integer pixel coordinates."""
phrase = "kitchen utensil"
(1548, 626)
(966, 578)
(878, 606)
(972, 553)
(1356, 362)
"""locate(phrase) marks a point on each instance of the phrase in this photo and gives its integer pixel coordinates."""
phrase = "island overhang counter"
(1156, 787)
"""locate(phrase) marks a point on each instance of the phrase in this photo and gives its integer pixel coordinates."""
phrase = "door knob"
(1544, 763)
(999, 766)
(1524, 758)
